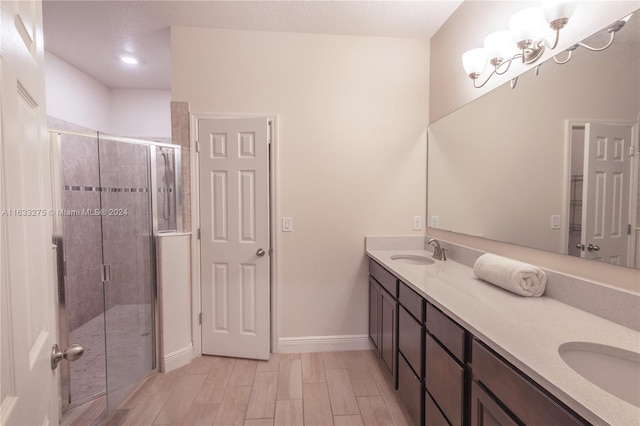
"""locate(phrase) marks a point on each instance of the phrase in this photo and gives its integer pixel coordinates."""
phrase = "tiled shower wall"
(82, 233)
(119, 173)
(126, 226)
(180, 136)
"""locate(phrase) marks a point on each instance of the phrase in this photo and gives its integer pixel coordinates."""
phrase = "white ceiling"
(92, 34)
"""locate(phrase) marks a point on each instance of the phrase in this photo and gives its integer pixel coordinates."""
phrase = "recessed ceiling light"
(129, 60)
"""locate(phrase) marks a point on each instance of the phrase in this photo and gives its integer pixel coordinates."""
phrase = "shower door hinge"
(106, 272)
(200, 318)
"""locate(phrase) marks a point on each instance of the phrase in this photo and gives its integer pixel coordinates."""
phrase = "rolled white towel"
(516, 277)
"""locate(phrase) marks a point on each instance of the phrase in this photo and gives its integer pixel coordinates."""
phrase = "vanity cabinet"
(443, 374)
(502, 395)
(383, 290)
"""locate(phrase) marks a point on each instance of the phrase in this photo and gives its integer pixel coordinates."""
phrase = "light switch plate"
(287, 224)
(417, 223)
(555, 221)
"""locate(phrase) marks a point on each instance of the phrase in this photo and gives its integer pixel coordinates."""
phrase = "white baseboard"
(306, 344)
(176, 359)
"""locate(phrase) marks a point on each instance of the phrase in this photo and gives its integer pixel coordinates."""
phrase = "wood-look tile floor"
(327, 388)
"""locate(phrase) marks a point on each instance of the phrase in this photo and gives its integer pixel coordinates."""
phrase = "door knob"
(591, 247)
(260, 252)
(72, 353)
(580, 246)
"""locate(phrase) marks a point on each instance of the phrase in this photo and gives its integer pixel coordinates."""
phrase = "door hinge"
(64, 268)
(199, 234)
(269, 136)
(629, 229)
(200, 318)
(197, 146)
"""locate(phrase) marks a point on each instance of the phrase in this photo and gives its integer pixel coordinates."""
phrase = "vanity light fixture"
(522, 40)
(611, 30)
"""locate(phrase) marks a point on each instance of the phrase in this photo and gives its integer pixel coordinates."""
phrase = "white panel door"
(28, 392)
(606, 193)
(234, 219)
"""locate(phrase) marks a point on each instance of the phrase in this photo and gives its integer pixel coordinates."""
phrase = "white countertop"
(526, 331)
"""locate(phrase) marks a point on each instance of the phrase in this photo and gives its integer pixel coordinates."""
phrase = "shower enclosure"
(112, 196)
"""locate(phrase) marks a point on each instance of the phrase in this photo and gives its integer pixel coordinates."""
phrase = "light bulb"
(474, 61)
(526, 26)
(498, 46)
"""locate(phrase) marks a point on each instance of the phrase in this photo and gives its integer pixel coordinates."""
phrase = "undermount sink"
(614, 370)
(412, 259)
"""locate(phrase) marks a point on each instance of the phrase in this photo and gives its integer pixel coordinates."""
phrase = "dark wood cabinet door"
(374, 308)
(387, 331)
(485, 411)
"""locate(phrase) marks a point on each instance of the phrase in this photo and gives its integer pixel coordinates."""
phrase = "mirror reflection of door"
(602, 225)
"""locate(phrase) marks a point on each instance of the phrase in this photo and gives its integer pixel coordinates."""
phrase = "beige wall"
(352, 116)
(450, 89)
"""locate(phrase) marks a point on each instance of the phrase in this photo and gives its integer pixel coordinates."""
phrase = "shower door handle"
(106, 272)
(72, 353)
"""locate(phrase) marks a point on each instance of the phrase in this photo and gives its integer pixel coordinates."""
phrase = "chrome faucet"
(439, 253)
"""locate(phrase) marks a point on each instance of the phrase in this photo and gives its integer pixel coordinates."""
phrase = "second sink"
(412, 259)
(614, 370)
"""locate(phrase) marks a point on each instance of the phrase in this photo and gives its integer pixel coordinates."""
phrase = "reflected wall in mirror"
(521, 165)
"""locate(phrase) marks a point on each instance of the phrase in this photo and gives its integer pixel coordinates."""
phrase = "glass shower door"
(80, 248)
(127, 273)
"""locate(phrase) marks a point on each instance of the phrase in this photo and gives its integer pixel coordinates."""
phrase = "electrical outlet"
(287, 224)
(417, 223)
(435, 221)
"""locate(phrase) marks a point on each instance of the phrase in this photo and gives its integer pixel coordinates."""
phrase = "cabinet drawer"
(523, 398)
(384, 277)
(410, 390)
(411, 300)
(410, 340)
(432, 414)
(450, 334)
(444, 379)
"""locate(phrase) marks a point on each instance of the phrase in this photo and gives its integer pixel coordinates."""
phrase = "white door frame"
(196, 299)
(635, 176)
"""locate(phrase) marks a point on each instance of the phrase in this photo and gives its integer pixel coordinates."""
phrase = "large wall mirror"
(548, 164)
